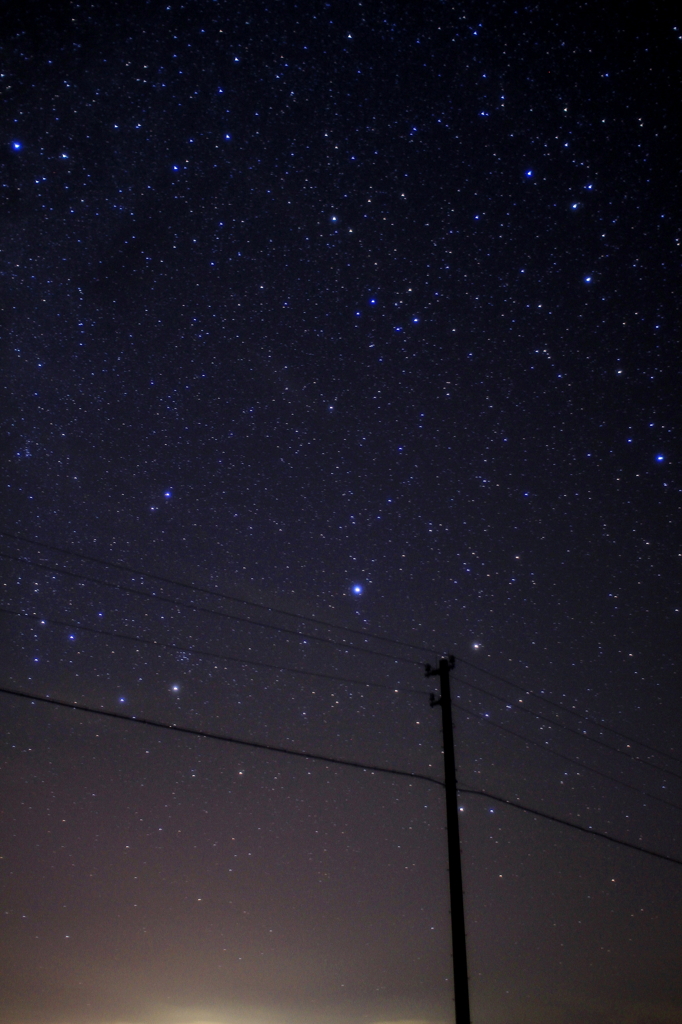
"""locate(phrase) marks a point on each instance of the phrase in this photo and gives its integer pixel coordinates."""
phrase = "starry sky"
(358, 317)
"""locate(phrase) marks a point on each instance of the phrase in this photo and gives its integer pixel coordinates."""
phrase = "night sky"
(361, 312)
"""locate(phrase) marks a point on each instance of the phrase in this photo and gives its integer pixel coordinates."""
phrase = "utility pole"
(459, 948)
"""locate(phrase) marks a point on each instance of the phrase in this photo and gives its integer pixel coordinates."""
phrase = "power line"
(205, 654)
(210, 654)
(569, 711)
(198, 652)
(69, 552)
(213, 592)
(333, 678)
(564, 757)
(511, 732)
(571, 824)
(575, 732)
(176, 602)
(209, 611)
(328, 760)
(74, 706)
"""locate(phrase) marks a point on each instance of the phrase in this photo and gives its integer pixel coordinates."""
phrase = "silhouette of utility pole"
(459, 948)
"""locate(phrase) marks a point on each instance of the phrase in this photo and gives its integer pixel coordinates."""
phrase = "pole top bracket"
(444, 665)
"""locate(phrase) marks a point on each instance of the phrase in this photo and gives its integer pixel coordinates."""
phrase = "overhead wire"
(209, 611)
(75, 706)
(564, 757)
(327, 676)
(571, 824)
(69, 552)
(575, 732)
(569, 711)
(198, 652)
(271, 748)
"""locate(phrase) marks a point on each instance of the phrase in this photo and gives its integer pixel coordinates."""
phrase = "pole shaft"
(459, 950)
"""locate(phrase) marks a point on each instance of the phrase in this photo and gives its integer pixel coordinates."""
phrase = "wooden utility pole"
(459, 948)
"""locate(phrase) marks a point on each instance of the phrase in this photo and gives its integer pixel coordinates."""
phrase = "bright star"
(660, 458)
(16, 145)
(357, 588)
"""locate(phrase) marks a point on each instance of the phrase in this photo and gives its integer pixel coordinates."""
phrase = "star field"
(360, 313)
